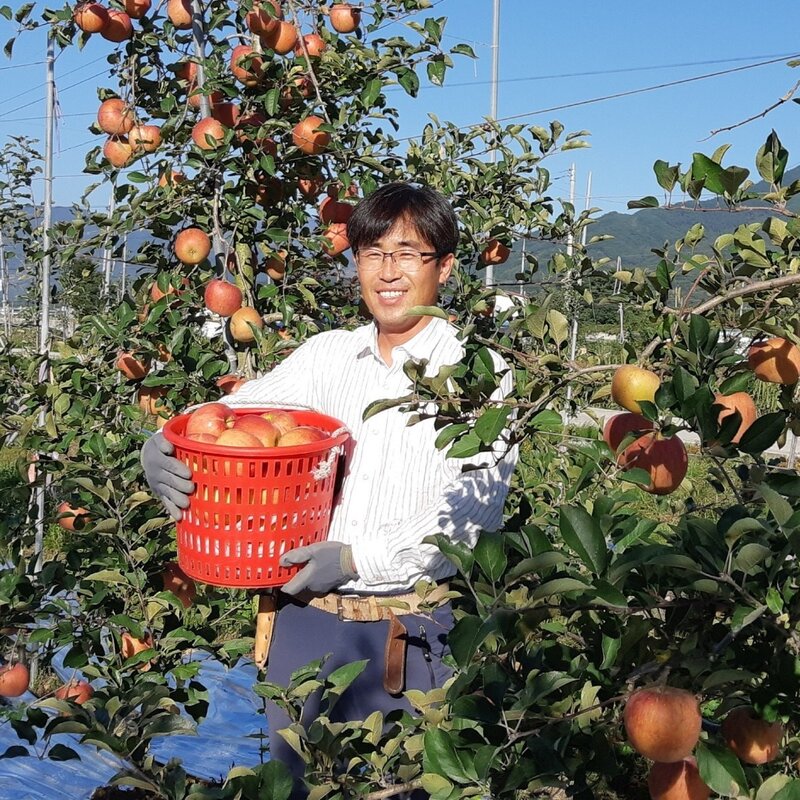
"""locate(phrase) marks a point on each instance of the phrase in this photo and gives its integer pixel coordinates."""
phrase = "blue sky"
(550, 55)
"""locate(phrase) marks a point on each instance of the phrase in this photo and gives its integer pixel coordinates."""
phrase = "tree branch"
(741, 291)
(394, 790)
(764, 113)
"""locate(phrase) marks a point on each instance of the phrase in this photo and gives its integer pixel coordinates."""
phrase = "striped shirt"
(398, 487)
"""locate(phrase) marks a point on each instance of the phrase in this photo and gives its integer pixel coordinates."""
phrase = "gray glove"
(167, 477)
(327, 565)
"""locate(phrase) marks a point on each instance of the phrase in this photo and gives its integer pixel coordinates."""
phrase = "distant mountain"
(636, 234)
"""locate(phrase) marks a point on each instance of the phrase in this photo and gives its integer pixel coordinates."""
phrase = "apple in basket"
(302, 434)
(265, 431)
(211, 419)
(282, 420)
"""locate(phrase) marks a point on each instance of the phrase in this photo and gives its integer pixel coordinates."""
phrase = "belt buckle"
(340, 598)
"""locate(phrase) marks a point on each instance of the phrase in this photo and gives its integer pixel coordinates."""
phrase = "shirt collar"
(418, 347)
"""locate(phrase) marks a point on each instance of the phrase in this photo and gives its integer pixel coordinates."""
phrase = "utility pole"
(493, 107)
(568, 290)
(107, 260)
(617, 287)
(44, 328)
(217, 243)
(4, 288)
(573, 338)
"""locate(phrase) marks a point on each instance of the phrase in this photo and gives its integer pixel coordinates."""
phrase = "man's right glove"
(167, 477)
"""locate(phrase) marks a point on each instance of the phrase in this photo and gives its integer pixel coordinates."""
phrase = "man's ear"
(446, 267)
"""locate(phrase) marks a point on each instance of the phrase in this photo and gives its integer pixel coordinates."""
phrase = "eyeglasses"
(371, 259)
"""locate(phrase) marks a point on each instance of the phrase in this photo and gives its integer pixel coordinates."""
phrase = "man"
(398, 487)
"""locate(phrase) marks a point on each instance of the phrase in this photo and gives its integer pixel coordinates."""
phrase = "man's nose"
(388, 270)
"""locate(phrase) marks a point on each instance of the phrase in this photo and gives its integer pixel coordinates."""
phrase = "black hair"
(424, 208)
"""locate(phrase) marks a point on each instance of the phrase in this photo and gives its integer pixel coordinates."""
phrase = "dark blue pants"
(303, 634)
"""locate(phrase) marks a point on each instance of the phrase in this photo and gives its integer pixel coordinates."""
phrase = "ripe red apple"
(115, 116)
(331, 210)
(208, 438)
(282, 420)
(679, 780)
(754, 740)
(208, 133)
(118, 151)
(315, 46)
(234, 438)
(76, 690)
(246, 65)
(740, 402)
(136, 9)
(213, 418)
(336, 241)
(265, 17)
(131, 645)
(179, 583)
(665, 460)
(72, 519)
(90, 17)
(775, 360)
(230, 383)
(663, 723)
(308, 137)
(131, 367)
(14, 679)
(282, 39)
(145, 138)
(345, 17)
(119, 27)
(265, 431)
(180, 14)
(192, 246)
(620, 425)
(222, 297)
(302, 434)
(241, 321)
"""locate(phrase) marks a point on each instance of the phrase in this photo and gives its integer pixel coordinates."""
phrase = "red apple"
(213, 418)
(677, 781)
(131, 646)
(265, 431)
(179, 583)
(77, 691)
(237, 438)
(282, 420)
(222, 297)
(663, 723)
(302, 434)
(14, 679)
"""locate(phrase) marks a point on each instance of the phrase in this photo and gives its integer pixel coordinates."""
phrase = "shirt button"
(354, 523)
(365, 476)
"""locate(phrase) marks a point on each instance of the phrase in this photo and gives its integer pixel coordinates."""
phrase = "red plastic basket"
(252, 504)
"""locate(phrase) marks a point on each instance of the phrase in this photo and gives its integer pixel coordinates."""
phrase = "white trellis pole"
(44, 327)
(217, 243)
(570, 249)
(4, 288)
(617, 287)
(493, 110)
(108, 261)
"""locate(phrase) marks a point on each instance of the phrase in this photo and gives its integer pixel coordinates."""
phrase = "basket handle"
(324, 468)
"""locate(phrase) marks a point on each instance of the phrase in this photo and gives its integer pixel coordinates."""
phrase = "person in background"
(398, 488)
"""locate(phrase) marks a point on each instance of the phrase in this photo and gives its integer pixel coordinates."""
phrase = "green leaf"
(736, 383)
(771, 159)
(645, 202)
(463, 50)
(60, 752)
(491, 422)
(275, 780)
(441, 757)
(427, 311)
(720, 769)
(791, 791)
(490, 555)
(446, 435)
(558, 586)
(582, 534)
(436, 72)
(370, 92)
(763, 433)
(666, 175)
(342, 677)
(779, 506)
(465, 447)
(408, 79)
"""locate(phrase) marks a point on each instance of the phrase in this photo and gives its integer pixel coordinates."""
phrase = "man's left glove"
(327, 565)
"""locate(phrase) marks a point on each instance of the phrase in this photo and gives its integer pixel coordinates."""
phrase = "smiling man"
(398, 487)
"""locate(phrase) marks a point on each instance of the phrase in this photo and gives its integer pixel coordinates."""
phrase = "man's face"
(389, 292)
